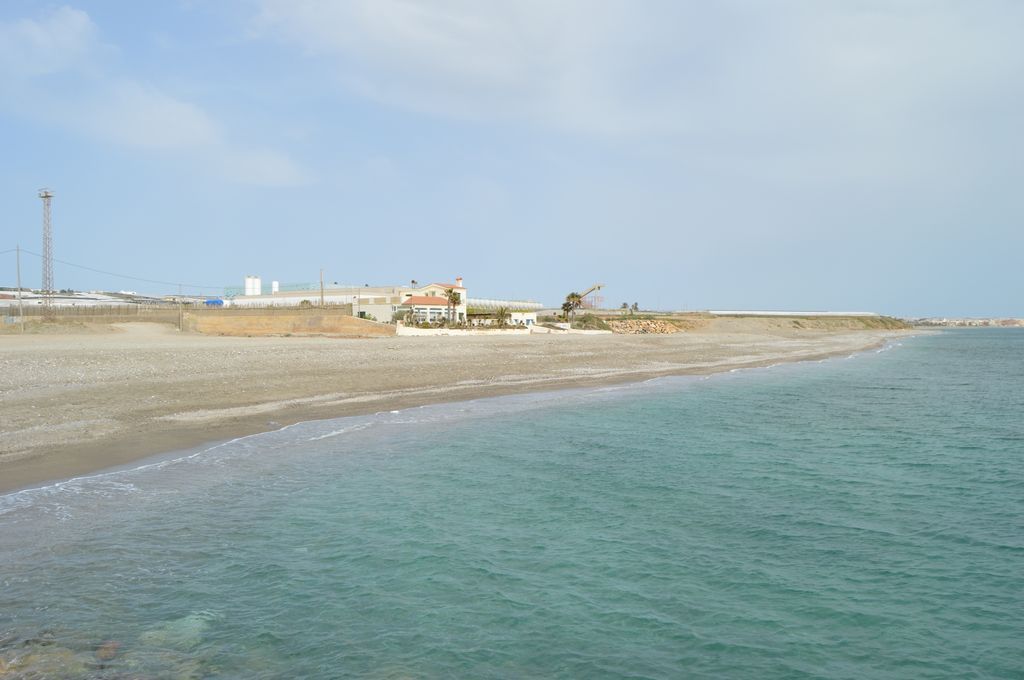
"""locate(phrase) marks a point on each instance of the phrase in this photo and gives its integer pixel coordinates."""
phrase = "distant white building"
(10, 298)
(419, 303)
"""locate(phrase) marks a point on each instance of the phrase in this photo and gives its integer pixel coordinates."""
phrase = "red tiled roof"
(426, 300)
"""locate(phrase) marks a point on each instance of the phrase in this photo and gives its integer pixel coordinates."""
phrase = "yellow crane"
(588, 291)
(570, 306)
(596, 287)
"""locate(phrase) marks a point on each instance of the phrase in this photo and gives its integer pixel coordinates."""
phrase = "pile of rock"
(171, 650)
(642, 327)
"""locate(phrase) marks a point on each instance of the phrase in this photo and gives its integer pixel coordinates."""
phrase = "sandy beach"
(76, 403)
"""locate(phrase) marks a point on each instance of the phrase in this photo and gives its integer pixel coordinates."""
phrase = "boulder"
(47, 662)
(107, 651)
(183, 634)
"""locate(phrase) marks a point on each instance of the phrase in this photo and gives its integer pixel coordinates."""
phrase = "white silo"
(274, 287)
(252, 285)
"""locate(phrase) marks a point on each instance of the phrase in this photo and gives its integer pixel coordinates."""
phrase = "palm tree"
(575, 301)
(625, 308)
(636, 308)
(502, 315)
(454, 298)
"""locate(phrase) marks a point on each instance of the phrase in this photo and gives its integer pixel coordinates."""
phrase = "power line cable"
(125, 276)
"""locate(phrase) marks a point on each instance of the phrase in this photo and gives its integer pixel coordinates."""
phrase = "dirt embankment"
(703, 323)
(244, 322)
(231, 322)
(803, 323)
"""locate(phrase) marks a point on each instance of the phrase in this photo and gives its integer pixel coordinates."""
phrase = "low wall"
(412, 330)
(164, 314)
(283, 322)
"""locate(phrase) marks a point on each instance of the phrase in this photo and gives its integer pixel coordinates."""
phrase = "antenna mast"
(48, 291)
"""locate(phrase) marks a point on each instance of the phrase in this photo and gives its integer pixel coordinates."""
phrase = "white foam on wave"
(60, 498)
(344, 430)
(890, 345)
(108, 482)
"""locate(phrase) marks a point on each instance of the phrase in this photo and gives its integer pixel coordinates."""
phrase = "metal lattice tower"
(48, 291)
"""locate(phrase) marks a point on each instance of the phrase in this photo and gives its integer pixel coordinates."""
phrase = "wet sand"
(76, 403)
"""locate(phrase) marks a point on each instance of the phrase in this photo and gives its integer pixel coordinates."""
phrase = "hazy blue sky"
(854, 154)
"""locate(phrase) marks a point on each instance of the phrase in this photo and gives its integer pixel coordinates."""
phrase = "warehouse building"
(417, 303)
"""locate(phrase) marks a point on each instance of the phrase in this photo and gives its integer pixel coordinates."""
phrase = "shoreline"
(181, 431)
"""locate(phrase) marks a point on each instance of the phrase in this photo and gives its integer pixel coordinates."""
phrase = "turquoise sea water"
(855, 518)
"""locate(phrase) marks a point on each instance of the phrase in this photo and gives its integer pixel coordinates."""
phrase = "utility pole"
(47, 195)
(21, 305)
(321, 288)
(180, 312)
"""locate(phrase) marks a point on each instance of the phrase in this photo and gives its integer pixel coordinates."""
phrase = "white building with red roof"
(431, 303)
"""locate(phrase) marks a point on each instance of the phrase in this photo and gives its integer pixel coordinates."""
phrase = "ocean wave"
(125, 479)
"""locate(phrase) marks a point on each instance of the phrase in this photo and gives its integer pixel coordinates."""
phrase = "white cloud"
(880, 84)
(526, 59)
(135, 115)
(123, 111)
(62, 38)
(261, 167)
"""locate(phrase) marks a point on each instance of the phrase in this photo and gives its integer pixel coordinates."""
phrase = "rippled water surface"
(857, 518)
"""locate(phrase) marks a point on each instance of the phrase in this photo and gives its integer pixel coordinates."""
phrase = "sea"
(858, 517)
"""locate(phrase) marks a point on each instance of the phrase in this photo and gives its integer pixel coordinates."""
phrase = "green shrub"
(590, 322)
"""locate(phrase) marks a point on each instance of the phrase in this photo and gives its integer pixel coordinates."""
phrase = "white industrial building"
(11, 298)
(419, 303)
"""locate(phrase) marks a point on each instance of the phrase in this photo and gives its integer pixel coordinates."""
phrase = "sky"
(738, 154)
